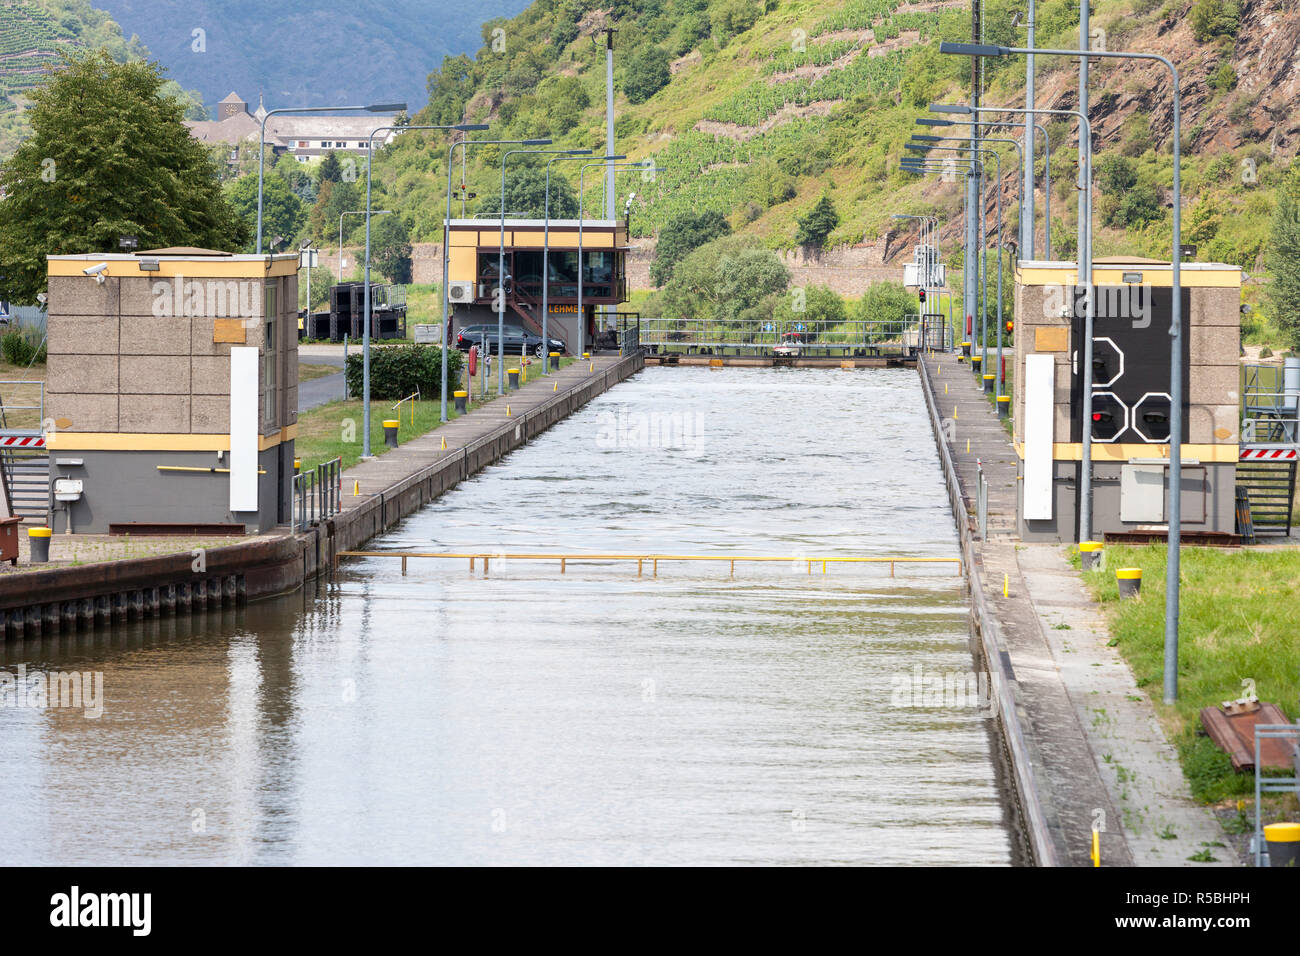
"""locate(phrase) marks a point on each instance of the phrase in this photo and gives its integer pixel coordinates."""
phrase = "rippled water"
(590, 717)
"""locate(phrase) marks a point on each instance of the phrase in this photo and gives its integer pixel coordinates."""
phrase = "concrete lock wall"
(139, 380)
(1211, 326)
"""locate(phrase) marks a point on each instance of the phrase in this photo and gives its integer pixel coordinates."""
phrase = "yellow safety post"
(591, 367)
(1095, 855)
(954, 413)
(555, 387)
(1006, 583)
(945, 388)
(356, 488)
(507, 411)
(444, 443)
(968, 446)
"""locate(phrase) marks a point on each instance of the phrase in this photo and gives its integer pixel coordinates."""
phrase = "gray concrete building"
(172, 390)
(1129, 431)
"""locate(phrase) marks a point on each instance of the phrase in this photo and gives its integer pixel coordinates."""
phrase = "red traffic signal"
(921, 294)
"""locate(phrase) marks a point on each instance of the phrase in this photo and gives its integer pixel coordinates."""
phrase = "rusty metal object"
(1232, 728)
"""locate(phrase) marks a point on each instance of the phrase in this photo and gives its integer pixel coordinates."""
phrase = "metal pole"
(1027, 214)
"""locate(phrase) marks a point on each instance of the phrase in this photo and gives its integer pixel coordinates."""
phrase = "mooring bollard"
(1089, 554)
(390, 432)
(555, 360)
(988, 384)
(1004, 406)
(975, 364)
(1283, 841)
(512, 377)
(1130, 581)
(297, 465)
(460, 401)
(39, 541)
(965, 351)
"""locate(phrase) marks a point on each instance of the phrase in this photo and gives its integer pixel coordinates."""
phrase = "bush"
(646, 74)
(817, 224)
(1215, 18)
(18, 348)
(397, 371)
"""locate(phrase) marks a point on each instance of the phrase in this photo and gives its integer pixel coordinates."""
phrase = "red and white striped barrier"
(1267, 454)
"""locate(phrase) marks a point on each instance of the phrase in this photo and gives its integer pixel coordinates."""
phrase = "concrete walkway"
(385, 471)
(1099, 755)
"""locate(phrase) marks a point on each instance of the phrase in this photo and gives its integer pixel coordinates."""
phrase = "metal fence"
(860, 337)
(317, 494)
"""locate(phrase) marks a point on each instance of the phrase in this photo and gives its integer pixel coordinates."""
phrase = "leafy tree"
(822, 307)
(450, 88)
(108, 156)
(885, 302)
(390, 248)
(1115, 174)
(321, 280)
(1211, 19)
(331, 170)
(526, 194)
(646, 74)
(730, 18)
(817, 225)
(1284, 258)
(332, 201)
(724, 279)
(680, 236)
(281, 209)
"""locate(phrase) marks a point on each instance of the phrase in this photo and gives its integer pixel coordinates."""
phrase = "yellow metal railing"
(641, 559)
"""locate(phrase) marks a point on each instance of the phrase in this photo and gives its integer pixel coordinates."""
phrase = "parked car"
(515, 337)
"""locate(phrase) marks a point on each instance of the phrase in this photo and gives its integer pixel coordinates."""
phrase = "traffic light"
(921, 296)
(1010, 326)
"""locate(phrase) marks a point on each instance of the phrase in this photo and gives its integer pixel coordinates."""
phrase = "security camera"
(95, 270)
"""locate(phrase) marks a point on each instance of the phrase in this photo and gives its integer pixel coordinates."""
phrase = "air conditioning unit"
(460, 292)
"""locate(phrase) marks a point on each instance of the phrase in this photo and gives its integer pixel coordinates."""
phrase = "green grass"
(334, 430)
(1237, 623)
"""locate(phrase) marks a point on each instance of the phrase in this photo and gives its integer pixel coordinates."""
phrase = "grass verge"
(1237, 624)
(334, 430)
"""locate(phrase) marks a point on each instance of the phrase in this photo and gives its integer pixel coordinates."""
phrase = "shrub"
(1224, 78)
(646, 74)
(1215, 18)
(18, 348)
(400, 370)
(817, 224)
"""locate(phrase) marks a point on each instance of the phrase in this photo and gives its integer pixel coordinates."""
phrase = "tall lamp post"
(354, 212)
(1028, 157)
(1175, 329)
(1085, 280)
(546, 257)
(261, 152)
(365, 309)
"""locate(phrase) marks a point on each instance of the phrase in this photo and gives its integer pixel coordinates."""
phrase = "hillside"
(328, 51)
(761, 109)
(32, 33)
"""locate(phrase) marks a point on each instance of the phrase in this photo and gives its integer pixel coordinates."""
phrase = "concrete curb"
(1002, 677)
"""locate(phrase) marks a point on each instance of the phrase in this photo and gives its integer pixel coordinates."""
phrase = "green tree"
(108, 156)
(331, 170)
(680, 236)
(390, 248)
(815, 306)
(1211, 19)
(281, 209)
(450, 87)
(724, 280)
(321, 280)
(1115, 174)
(886, 302)
(817, 224)
(646, 74)
(526, 193)
(1284, 258)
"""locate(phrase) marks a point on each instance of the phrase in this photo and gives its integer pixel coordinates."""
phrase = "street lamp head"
(930, 121)
(535, 142)
(620, 156)
(919, 147)
(973, 49)
(927, 139)
(386, 108)
(577, 152)
(470, 127)
(956, 108)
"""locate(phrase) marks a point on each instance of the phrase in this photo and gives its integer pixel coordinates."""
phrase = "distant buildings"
(303, 136)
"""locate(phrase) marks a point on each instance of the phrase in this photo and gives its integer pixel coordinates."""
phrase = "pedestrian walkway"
(1099, 755)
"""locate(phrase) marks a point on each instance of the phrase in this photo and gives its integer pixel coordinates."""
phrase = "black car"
(516, 337)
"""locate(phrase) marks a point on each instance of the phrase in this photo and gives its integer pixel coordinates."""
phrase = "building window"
(302, 144)
(270, 357)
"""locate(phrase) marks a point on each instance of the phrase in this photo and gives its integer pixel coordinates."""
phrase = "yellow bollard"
(591, 367)
(1095, 855)
(954, 413)
(356, 488)
(945, 388)
(1005, 583)
(555, 387)
(507, 411)
(444, 444)
(968, 446)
